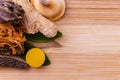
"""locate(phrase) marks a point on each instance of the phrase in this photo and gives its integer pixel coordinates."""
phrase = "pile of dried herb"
(12, 14)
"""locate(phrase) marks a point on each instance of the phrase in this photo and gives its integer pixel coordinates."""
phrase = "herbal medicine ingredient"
(35, 57)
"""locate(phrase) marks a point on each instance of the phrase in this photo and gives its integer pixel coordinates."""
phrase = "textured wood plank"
(90, 45)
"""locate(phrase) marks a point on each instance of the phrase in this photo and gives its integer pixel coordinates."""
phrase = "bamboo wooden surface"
(90, 45)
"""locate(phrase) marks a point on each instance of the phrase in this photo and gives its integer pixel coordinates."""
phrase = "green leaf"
(47, 61)
(22, 56)
(29, 46)
(39, 37)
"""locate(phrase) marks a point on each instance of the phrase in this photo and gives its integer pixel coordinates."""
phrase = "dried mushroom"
(10, 12)
(51, 9)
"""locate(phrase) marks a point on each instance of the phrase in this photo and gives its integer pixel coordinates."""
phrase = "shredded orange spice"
(9, 36)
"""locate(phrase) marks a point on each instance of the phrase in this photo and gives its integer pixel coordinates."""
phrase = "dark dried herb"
(7, 49)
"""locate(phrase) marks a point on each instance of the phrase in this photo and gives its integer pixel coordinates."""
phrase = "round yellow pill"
(35, 57)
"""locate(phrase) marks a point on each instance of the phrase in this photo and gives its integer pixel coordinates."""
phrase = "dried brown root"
(34, 22)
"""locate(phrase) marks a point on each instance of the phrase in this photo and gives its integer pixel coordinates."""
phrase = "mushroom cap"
(51, 9)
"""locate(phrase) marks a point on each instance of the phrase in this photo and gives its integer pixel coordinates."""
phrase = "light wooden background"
(90, 45)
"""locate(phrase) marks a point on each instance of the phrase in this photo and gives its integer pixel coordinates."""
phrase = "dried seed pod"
(12, 62)
(10, 12)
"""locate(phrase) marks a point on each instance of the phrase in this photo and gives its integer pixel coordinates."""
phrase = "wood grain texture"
(90, 45)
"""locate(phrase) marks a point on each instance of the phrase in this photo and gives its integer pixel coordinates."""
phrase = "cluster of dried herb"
(20, 13)
(11, 40)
